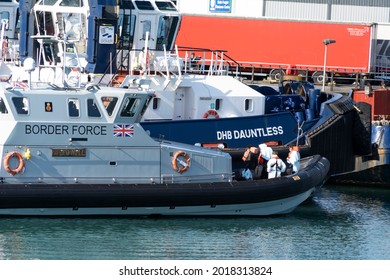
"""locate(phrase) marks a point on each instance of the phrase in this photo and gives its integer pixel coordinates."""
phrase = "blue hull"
(232, 132)
(333, 135)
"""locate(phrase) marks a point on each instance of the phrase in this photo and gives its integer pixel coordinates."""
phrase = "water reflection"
(338, 223)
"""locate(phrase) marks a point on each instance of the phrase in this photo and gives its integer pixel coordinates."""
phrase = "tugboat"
(373, 169)
(196, 99)
(81, 150)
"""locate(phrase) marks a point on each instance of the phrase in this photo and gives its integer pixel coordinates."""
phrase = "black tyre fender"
(362, 129)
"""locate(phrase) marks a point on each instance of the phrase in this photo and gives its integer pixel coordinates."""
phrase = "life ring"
(211, 113)
(6, 163)
(182, 166)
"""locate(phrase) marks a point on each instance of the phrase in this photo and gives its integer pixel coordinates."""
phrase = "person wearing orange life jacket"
(250, 157)
(275, 166)
(293, 159)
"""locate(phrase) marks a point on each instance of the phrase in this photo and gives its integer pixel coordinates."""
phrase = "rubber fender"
(362, 129)
(342, 105)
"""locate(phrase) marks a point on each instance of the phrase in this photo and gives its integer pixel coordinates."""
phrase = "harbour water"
(337, 223)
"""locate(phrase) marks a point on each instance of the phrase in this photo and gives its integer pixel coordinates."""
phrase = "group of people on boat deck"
(263, 162)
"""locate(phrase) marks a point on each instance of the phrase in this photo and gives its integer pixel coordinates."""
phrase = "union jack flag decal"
(123, 130)
(20, 85)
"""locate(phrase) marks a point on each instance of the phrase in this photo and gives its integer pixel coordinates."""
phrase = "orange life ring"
(6, 163)
(181, 167)
(211, 113)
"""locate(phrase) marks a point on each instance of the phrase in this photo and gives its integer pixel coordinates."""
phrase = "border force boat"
(70, 150)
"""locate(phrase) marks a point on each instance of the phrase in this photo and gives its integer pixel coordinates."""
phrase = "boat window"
(218, 104)
(248, 105)
(21, 105)
(165, 6)
(131, 106)
(109, 103)
(48, 2)
(143, 110)
(3, 108)
(144, 5)
(4, 16)
(50, 51)
(126, 4)
(166, 32)
(93, 110)
(72, 25)
(156, 103)
(45, 23)
(146, 27)
(126, 27)
(73, 107)
(72, 3)
(17, 25)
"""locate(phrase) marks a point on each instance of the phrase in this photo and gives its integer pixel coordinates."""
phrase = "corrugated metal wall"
(335, 10)
(308, 10)
(360, 13)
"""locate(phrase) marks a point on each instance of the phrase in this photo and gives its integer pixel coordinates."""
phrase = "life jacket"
(277, 165)
(260, 159)
(248, 153)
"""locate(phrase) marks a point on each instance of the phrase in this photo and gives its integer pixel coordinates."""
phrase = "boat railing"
(9, 50)
(168, 63)
(382, 67)
(189, 60)
(57, 63)
(208, 62)
(132, 63)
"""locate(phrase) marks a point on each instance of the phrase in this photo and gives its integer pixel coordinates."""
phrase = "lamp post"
(326, 42)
